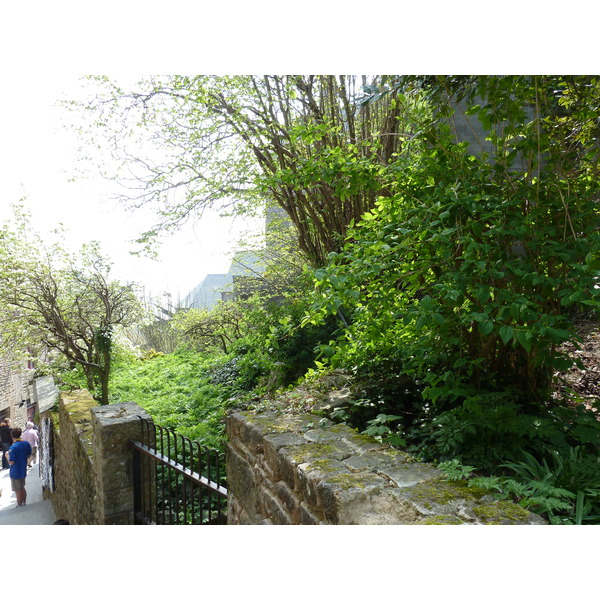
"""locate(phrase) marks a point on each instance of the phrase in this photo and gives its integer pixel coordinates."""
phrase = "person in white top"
(31, 435)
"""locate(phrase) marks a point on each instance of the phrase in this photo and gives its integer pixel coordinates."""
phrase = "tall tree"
(55, 300)
(468, 278)
(307, 142)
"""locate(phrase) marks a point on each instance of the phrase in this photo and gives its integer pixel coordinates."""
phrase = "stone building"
(16, 381)
(245, 270)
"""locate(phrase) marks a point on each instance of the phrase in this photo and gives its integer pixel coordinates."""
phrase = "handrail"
(165, 460)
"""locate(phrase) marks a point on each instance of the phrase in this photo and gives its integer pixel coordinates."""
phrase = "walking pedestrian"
(5, 440)
(17, 459)
(31, 435)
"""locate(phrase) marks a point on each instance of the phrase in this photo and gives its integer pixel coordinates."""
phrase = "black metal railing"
(177, 481)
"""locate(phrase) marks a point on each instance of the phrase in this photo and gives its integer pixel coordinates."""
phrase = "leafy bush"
(564, 487)
(176, 390)
(458, 291)
(487, 431)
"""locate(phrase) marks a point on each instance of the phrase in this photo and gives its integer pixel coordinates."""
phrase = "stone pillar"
(113, 427)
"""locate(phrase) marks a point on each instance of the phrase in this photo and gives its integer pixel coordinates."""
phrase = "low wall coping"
(294, 465)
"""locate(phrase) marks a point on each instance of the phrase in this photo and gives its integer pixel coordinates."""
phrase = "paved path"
(37, 512)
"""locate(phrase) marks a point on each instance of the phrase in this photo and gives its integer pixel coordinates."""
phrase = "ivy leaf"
(485, 327)
(473, 110)
(439, 319)
(427, 303)
(525, 339)
(506, 333)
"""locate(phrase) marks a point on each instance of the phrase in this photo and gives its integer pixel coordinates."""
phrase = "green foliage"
(455, 470)
(277, 350)
(215, 329)
(487, 431)
(176, 390)
(564, 487)
(379, 429)
(485, 289)
(55, 300)
(465, 280)
(448, 272)
(232, 141)
(457, 292)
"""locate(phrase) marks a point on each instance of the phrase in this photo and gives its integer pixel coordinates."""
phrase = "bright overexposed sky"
(37, 162)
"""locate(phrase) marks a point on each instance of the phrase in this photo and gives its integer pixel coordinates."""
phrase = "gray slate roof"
(208, 292)
(45, 392)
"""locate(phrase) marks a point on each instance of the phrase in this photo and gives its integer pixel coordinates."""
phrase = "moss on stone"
(279, 423)
(501, 513)
(441, 520)
(444, 492)
(352, 481)
(78, 405)
(310, 453)
(325, 465)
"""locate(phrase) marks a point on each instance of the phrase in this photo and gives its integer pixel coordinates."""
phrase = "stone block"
(406, 475)
(335, 493)
(274, 509)
(373, 462)
(362, 444)
(287, 497)
(241, 481)
(273, 443)
(307, 472)
(381, 506)
(307, 517)
(311, 474)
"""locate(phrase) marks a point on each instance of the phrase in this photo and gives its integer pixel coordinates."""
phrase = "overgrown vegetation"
(447, 288)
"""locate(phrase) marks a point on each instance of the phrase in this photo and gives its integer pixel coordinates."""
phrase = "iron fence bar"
(217, 466)
(208, 461)
(183, 482)
(193, 489)
(169, 476)
(144, 468)
(185, 485)
(162, 480)
(186, 472)
(201, 492)
(180, 447)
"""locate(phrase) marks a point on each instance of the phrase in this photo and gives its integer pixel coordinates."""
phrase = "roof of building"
(46, 392)
(208, 292)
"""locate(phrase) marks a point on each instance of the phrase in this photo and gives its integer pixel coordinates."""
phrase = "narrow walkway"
(37, 512)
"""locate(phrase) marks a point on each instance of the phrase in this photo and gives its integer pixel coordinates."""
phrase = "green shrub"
(562, 486)
(176, 390)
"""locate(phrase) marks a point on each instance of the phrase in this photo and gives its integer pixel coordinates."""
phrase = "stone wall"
(305, 470)
(75, 495)
(92, 459)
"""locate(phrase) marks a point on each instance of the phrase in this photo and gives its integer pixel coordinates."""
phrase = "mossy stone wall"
(74, 496)
(92, 460)
(288, 469)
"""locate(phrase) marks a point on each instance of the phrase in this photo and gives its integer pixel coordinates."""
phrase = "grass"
(176, 390)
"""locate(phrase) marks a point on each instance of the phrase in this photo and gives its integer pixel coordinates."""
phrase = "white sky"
(45, 47)
(37, 155)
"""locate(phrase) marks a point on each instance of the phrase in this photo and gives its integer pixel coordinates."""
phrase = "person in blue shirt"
(17, 459)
